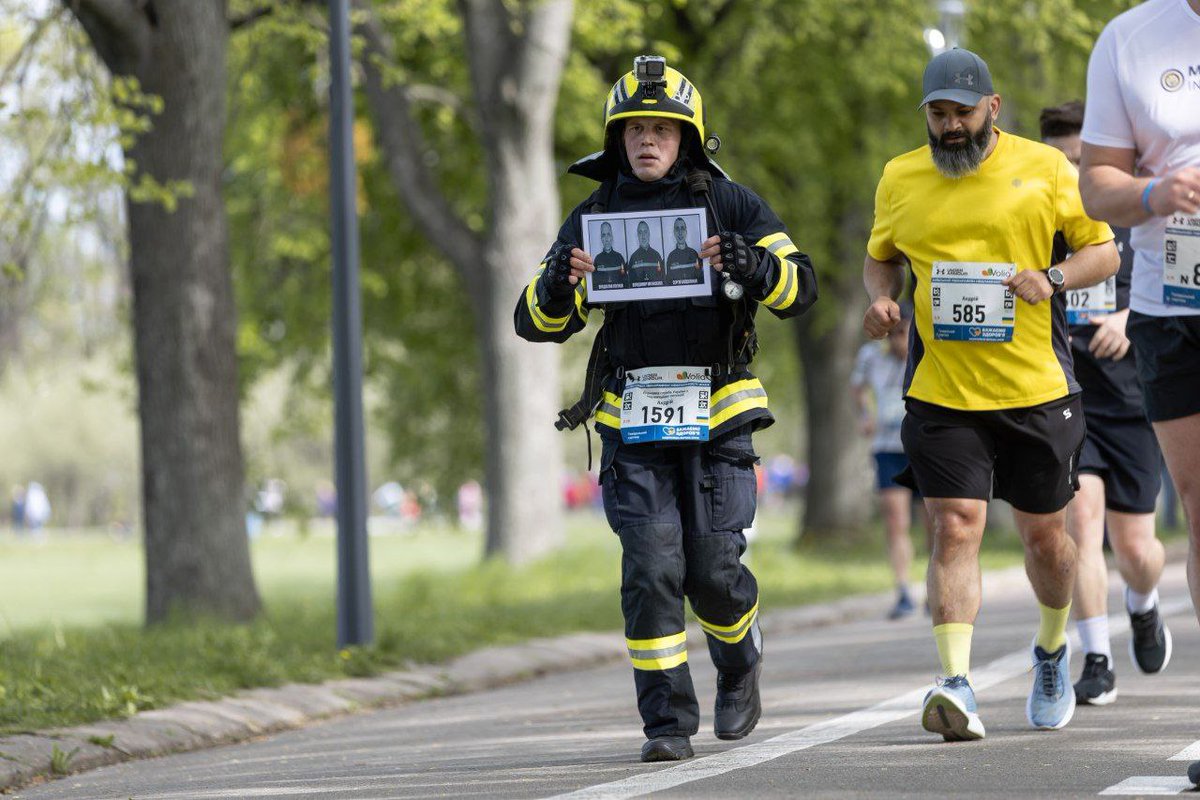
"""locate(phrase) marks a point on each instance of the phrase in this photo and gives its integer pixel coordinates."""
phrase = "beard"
(961, 158)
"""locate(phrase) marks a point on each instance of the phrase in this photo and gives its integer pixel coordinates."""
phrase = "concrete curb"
(41, 755)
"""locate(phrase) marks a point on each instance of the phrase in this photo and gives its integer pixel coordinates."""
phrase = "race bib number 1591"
(665, 404)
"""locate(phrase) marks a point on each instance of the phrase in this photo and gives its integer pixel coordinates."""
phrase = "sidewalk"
(43, 755)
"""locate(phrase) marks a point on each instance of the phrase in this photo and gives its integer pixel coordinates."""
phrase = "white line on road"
(1189, 753)
(823, 732)
(1150, 785)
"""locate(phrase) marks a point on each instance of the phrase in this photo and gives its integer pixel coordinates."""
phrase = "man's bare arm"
(1087, 267)
(1112, 193)
(1090, 265)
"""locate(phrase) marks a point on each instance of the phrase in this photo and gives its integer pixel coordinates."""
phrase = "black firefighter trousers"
(679, 511)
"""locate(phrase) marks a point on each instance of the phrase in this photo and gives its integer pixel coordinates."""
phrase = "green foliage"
(60, 760)
(420, 351)
(811, 98)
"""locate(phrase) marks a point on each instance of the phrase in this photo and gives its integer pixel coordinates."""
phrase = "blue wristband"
(1146, 196)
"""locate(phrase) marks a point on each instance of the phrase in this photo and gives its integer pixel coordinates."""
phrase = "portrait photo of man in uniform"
(646, 262)
(610, 263)
(683, 262)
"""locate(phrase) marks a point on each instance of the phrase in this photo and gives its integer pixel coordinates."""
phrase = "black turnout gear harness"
(742, 341)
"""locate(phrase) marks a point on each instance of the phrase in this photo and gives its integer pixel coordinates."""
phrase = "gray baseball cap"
(957, 75)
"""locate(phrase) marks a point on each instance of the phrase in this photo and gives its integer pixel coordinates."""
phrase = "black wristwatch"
(1057, 280)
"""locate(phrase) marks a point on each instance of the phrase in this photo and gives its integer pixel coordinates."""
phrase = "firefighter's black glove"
(738, 258)
(557, 277)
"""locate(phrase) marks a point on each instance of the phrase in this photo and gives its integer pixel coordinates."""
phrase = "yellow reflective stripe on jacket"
(580, 299)
(778, 244)
(734, 633)
(736, 398)
(658, 654)
(785, 290)
(609, 412)
(726, 403)
(543, 322)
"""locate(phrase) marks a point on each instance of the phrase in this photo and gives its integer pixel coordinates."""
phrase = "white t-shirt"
(876, 367)
(1143, 93)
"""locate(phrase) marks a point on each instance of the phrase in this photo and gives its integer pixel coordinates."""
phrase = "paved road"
(841, 720)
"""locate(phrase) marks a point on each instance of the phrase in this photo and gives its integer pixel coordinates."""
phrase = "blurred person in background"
(37, 509)
(17, 509)
(878, 381)
(470, 505)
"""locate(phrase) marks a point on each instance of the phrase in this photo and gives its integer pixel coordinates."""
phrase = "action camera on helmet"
(650, 72)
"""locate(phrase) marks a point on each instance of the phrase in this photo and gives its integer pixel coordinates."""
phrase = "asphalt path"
(841, 719)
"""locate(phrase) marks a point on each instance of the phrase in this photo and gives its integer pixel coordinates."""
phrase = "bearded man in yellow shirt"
(992, 403)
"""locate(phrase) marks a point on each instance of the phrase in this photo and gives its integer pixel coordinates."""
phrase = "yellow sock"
(954, 647)
(1052, 633)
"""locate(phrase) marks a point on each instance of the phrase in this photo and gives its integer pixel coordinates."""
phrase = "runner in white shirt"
(1141, 168)
(879, 374)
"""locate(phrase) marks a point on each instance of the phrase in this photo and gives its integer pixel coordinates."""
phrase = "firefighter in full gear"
(679, 507)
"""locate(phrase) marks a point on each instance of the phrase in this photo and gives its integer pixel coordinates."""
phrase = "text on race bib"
(665, 404)
(1094, 301)
(1181, 261)
(970, 303)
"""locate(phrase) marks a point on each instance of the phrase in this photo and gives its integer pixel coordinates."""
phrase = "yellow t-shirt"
(1005, 213)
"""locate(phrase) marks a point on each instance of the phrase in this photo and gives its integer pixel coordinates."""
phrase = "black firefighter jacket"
(695, 331)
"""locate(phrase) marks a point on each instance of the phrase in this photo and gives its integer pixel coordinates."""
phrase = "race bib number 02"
(665, 404)
(1094, 301)
(1181, 261)
(970, 303)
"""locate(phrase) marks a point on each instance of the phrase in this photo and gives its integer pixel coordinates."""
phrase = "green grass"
(73, 651)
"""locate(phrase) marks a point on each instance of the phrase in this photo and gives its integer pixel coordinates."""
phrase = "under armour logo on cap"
(957, 75)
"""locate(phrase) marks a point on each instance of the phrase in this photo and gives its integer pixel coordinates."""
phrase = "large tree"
(515, 54)
(184, 318)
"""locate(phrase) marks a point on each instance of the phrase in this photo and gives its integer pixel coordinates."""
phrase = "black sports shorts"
(1168, 360)
(1027, 456)
(1124, 454)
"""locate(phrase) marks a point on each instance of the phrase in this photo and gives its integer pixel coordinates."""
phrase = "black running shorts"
(1168, 359)
(1124, 454)
(1027, 456)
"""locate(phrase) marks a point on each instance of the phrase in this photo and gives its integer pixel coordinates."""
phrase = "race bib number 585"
(970, 302)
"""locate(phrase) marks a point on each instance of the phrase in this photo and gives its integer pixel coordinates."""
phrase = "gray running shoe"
(950, 710)
(1051, 701)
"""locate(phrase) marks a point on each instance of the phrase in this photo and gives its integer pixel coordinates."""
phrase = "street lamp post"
(948, 33)
(355, 622)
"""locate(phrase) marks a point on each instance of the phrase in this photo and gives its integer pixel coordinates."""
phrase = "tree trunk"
(197, 555)
(516, 59)
(524, 458)
(524, 450)
(836, 497)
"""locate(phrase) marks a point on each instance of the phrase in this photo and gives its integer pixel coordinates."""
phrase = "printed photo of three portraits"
(646, 255)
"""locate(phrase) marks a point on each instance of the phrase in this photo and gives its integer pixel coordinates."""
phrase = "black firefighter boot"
(667, 748)
(738, 703)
